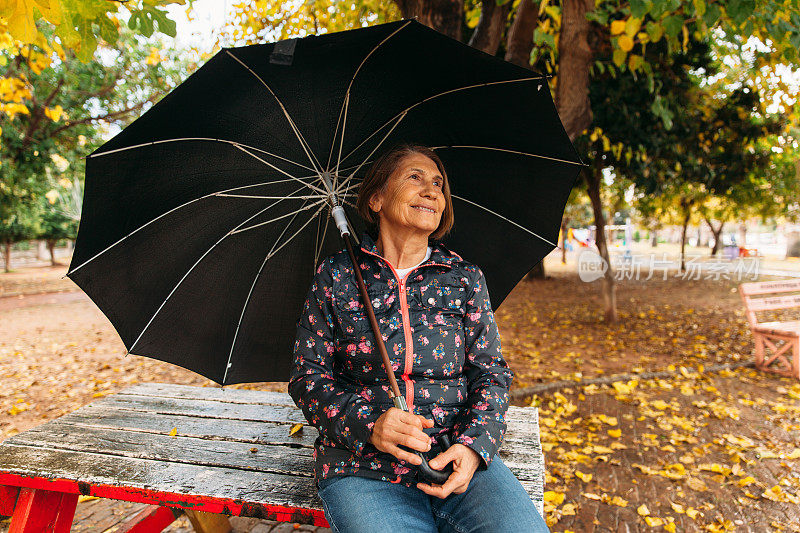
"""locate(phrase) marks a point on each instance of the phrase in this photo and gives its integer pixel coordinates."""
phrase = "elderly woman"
(435, 317)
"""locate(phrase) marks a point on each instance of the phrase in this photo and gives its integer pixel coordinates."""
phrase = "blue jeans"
(494, 502)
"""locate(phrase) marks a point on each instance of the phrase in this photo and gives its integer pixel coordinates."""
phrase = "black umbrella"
(203, 221)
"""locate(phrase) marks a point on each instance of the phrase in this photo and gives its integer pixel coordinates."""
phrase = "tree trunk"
(743, 234)
(686, 206)
(564, 222)
(593, 176)
(575, 57)
(7, 256)
(653, 238)
(520, 34)
(490, 26)
(716, 233)
(51, 245)
(444, 16)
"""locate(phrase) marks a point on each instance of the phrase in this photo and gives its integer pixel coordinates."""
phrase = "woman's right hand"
(396, 426)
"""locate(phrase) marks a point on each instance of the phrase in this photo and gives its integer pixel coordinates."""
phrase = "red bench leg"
(151, 519)
(43, 510)
(8, 499)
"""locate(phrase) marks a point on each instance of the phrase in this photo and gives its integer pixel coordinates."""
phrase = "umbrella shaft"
(387, 364)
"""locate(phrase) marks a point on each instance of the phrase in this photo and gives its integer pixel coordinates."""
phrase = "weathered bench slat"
(190, 392)
(187, 450)
(769, 287)
(206, 408)
(255, 432)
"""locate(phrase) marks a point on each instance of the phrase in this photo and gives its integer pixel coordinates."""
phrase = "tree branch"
(107, 116)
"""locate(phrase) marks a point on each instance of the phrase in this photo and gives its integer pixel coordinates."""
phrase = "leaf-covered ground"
(695, 452)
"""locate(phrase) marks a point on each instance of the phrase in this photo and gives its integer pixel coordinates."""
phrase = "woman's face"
(414, 197)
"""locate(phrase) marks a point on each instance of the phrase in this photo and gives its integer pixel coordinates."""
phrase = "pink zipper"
(409, 359)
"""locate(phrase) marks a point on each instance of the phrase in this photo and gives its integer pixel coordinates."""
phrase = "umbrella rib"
(303, 208)
(306, 147)
(215, 193)
(175, 288)
(346, 180)
(346, 103)
(270, 254)
(406, 110)
(511, 151)
(504, 218)
(281, 171)
(225, 141)
(307, 197)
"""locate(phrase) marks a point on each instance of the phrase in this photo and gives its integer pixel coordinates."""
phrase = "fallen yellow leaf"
(586, 478)
(643, 510)
(297, 428)
(173, 432)
(554, 497)
(617, 433)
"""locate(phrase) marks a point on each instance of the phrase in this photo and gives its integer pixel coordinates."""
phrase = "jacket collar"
(439, 253)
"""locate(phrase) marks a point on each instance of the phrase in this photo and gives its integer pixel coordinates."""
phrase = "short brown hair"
(378, 176)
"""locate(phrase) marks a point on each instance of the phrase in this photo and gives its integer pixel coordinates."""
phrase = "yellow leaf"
(297, 428)
(83, 498)
(590, 495)
(794, 455)
(643, 510)
(610, 420)
(661, 405)
(692, 513)
(617, 27)
(586, 478)
(696, 484)
(616, 500)
(625, 43)
(678, 508)
(653, 522)
(52, 196)
(632, 26)
(670, 527)
(55, 113)
(616, 433)
(746, 481)
(173, 432)
(556, 498)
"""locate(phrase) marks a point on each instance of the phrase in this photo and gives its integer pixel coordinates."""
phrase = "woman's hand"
(396, 426)
(465, 462)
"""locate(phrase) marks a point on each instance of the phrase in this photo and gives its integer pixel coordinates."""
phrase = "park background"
(686, 113)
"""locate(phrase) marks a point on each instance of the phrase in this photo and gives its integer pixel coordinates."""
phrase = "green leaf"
(108, 31)
(712, 15)
(740, 10)
(672, 25)
(619, 57)
(640, 7)
(655, 31)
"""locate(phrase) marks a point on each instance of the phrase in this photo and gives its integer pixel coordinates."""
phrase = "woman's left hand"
(465, 462)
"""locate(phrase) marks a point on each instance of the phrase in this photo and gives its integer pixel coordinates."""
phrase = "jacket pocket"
(351, 315)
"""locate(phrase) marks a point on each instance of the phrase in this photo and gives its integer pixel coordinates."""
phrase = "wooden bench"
(777, 343)
(188, 449)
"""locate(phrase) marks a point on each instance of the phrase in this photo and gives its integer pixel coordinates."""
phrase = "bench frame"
(783, 359)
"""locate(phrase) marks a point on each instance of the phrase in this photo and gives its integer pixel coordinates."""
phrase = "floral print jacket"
(440, 333)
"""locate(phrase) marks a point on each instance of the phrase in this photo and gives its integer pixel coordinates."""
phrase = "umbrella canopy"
(203, 221)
